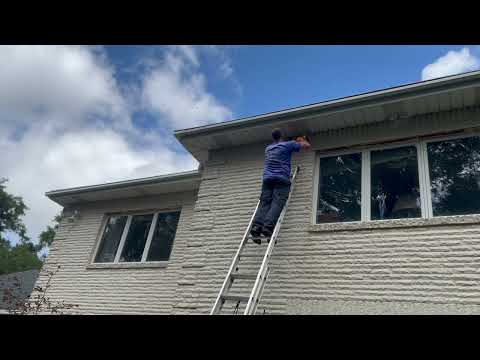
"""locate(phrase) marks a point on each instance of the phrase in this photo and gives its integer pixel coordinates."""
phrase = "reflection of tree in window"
(111, 238)
(163, 236)
(455, 176)
(340, 188)
(394, 184)
(136, 238)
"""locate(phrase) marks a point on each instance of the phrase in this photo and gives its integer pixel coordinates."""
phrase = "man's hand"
(303, 142)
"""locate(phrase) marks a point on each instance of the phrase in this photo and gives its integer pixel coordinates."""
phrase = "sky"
(83, 115)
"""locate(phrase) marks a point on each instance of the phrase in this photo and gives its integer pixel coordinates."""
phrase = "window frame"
(316, 184)
(123, 237)
(420, 144)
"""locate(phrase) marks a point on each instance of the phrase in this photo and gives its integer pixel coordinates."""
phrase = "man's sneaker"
(255, 232)
(267, 233)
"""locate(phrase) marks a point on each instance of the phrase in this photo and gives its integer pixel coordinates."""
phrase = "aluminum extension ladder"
(260, 279)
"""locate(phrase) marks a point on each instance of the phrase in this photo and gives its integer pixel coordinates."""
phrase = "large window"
(424, 179)
(138, 237)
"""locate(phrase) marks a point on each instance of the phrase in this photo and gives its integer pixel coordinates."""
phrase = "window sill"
(396, 223)
(137, 265)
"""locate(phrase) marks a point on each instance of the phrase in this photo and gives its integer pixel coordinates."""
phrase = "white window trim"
(153, 225)
(365, 186)
(126, 228)
(423, 176)
(125, 233)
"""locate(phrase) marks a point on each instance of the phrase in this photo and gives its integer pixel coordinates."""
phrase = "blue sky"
(278, 77)
(80, 115)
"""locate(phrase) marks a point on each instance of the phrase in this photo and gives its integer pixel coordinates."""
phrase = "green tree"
(47, 236)
(22, 256)
(12, 208)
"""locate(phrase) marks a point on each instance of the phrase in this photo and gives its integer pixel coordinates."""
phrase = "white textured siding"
(433, 263)
(432, 267)
(127, 290)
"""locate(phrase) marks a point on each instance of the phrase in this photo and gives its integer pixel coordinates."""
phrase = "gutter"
(370, 98)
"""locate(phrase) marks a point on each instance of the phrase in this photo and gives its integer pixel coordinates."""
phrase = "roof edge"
(187, 175)
(375, 95)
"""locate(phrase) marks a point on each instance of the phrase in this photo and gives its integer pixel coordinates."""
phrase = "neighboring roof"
(20, 284)
(407, 100)
(177, 182)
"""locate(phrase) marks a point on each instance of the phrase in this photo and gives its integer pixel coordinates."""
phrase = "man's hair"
(277, 134)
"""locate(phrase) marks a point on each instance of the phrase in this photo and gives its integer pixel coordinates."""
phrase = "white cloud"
(454, 62)
(189, 53)
(65, 122)
(58, 84)
(226, 68)
(179, 93)
(77, 158)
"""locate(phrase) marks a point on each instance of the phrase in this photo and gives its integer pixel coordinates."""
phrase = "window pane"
(111, 238)
(455, 176)
(163, 236)
(394, 184)
(340, 188)
(136, 238)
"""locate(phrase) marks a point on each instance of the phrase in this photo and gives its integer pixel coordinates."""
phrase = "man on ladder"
(276, 183)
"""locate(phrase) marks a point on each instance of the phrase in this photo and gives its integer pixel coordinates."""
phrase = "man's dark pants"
(272, 200)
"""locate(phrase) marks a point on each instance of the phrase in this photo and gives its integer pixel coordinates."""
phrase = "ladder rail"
(227, 282)
(263, 272)
(259, 292)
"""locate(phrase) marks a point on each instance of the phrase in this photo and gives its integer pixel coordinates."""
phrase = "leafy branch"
(40, 303)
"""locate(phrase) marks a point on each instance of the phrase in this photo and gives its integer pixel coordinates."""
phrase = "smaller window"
(339, 196)
(131, 238)
(111, 239)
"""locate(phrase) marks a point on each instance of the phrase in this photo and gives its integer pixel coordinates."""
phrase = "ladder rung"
(244, 276)
(251, 255)
(235, 298)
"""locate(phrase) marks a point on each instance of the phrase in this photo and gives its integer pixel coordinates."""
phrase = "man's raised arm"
(302, 140)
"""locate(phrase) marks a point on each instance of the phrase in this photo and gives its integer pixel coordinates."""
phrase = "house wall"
(416, 267)
(129, 290)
